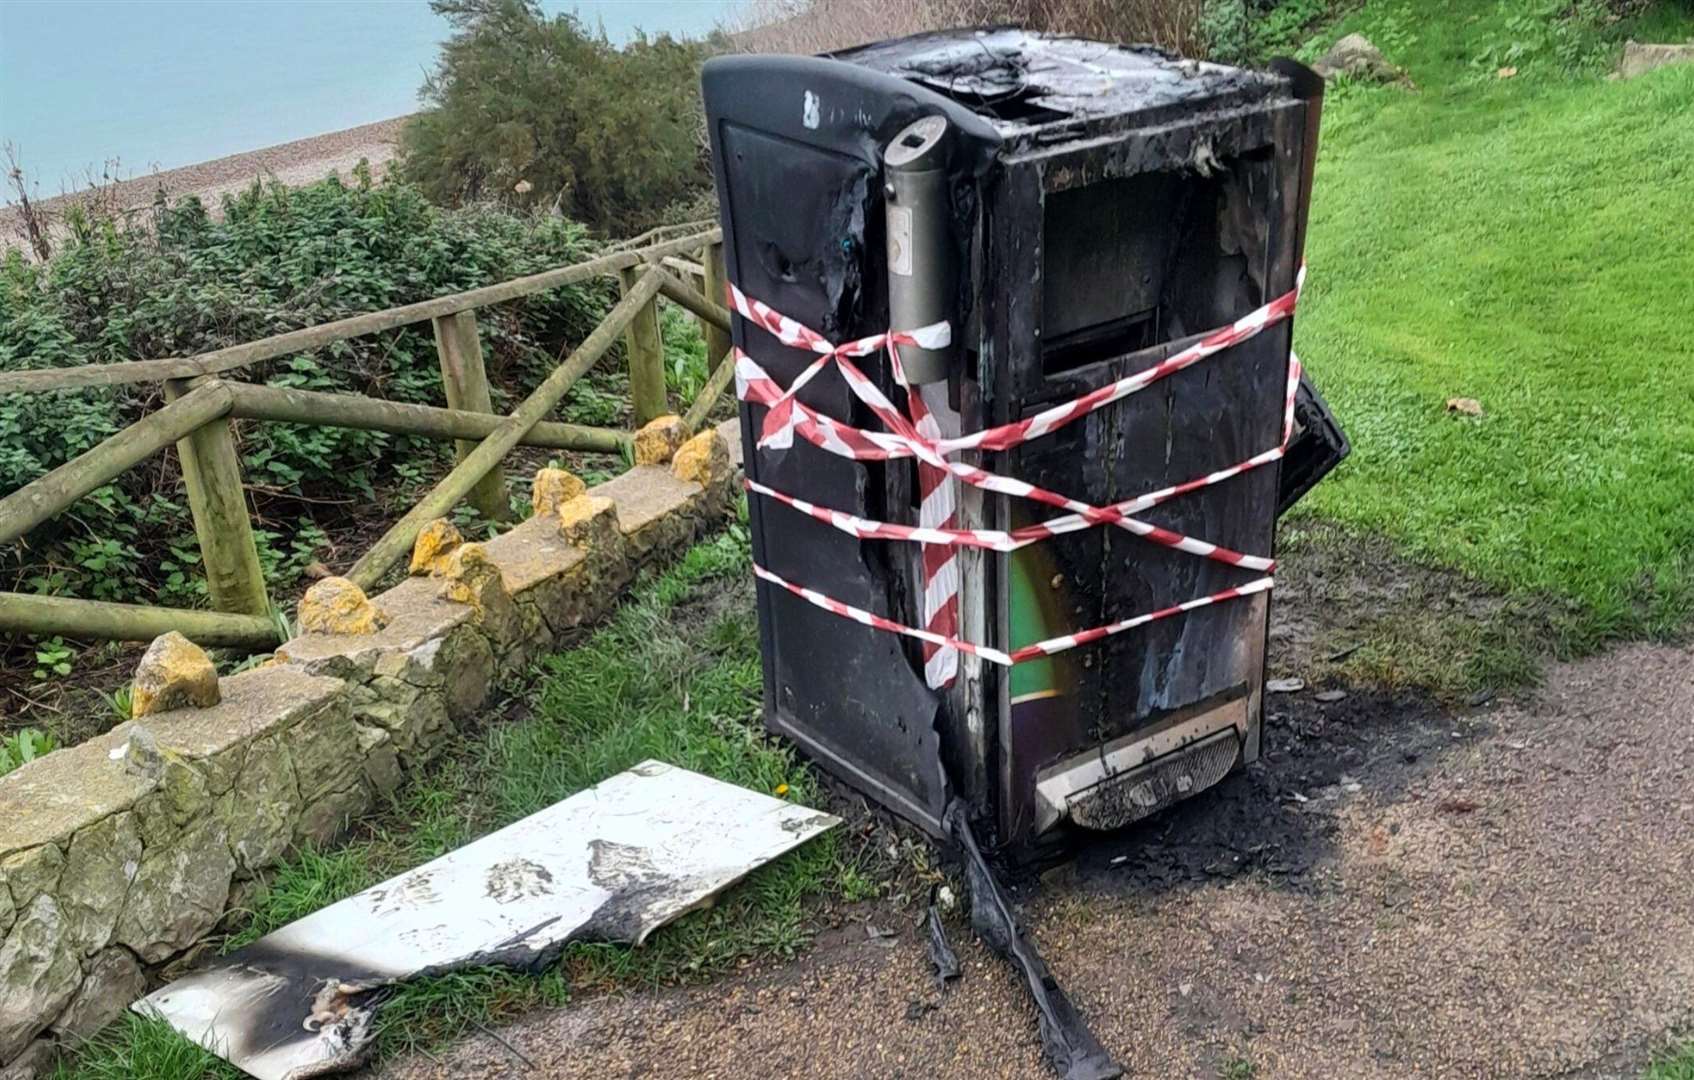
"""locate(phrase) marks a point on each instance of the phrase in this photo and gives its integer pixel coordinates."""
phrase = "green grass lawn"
(1528, 242)
(1676, 1065)
(675, 675)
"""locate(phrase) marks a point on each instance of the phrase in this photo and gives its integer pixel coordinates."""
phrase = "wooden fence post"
(447, 492)
(466, 382)
(717, 338)
(211, 471)
(646, 356)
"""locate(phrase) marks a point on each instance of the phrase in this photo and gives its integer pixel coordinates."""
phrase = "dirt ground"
(1395, 890)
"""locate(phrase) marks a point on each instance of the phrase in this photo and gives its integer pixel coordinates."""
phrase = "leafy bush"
(278, 259)
(1552, 35)
(1252, 31)
(540, 111)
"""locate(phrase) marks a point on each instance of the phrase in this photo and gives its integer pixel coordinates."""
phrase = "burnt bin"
(1094, 208)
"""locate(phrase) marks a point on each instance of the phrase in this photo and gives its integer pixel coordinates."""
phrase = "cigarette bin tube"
(921, 268)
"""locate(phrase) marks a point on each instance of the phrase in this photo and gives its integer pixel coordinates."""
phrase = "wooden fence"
(203, 398)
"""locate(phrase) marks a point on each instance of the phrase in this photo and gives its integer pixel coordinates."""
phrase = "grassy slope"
(1526, 242)
(675, 675)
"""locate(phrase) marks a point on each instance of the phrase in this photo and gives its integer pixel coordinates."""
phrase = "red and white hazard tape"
(1017, 656)
(1084, 517)
(937, 503)
(920, 437)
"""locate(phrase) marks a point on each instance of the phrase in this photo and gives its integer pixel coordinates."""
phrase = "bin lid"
(1018, 80)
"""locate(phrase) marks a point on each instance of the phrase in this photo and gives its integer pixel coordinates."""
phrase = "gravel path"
(1508, 894)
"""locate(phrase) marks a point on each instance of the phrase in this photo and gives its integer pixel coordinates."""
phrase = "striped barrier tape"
(920, 437)
(860, 445)
(1039, 649)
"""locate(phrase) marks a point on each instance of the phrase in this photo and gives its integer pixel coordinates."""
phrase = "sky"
(164, 83)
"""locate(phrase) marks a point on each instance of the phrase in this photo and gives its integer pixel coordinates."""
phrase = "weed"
(120, 702)
(277, 259)
(53, 657)
(685, 354)
(23, 747)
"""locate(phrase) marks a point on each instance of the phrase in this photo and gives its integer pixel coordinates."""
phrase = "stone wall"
(119, 855)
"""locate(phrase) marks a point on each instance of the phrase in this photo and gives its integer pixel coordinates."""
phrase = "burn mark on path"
(1277, 818)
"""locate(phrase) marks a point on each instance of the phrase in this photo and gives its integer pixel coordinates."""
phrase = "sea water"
(158, 84)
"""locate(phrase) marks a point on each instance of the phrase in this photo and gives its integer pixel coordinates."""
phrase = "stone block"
(417, 616)
(435, 542)
(178, 893)
(261, 810)
(100, 864)
(704, 460)
(658, 439)
(533, 639)
(38, 1061)
(381, 760)
(533, 554)
(1640, 58)
(654, 509)
(414, 717)
(329, 815)
(324, 751)
(113, 980)
(257, 704)
(39, 974)
(415, 666)
(337, 606)
(469, 576)
(174, 673)
(467, 664)
(590, 523)
(731, 431)
(27, 874)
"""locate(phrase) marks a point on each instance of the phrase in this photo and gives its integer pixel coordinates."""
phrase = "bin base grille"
(1132, 795)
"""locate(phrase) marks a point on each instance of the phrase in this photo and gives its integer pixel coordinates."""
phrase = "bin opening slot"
(1135, 262)
(1132, 333)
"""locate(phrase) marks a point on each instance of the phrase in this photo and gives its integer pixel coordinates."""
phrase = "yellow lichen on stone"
(471, 577)
(658, 440)
(588, 520)
(434, 542)
(552, 489)
(173, 673)
(337, 606)
(703, 460)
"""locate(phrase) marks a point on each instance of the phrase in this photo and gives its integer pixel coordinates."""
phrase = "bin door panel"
(797, 158)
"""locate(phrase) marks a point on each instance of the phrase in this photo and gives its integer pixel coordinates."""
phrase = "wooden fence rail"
(204, 399)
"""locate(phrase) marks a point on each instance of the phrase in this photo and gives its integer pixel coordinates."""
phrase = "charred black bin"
(1077, 213)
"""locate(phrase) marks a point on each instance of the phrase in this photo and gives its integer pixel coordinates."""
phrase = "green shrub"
(278, 259)
(540, 111)
(1252, 31)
